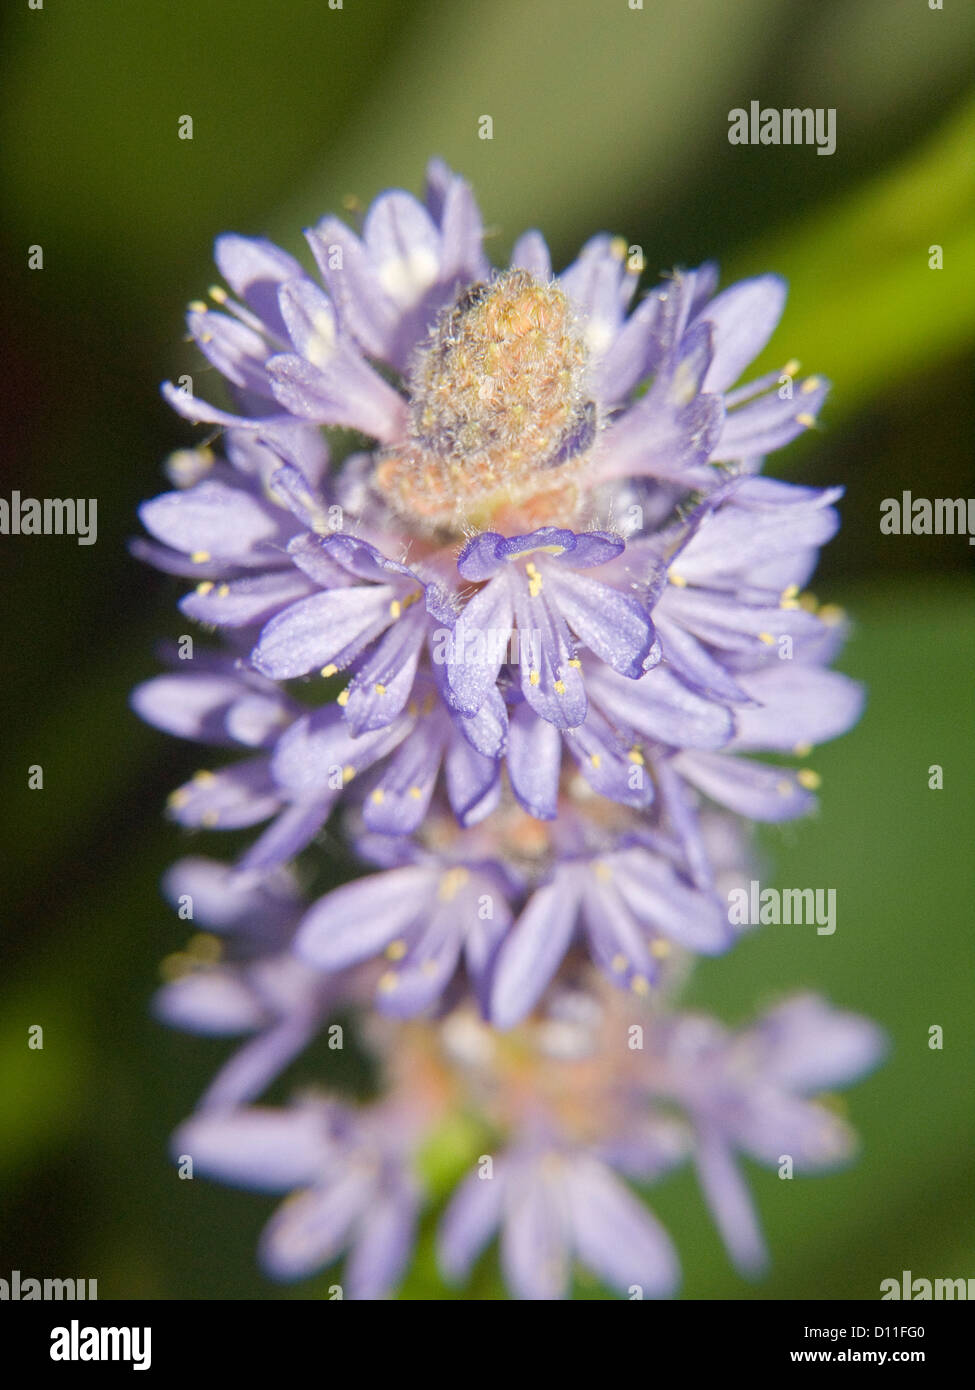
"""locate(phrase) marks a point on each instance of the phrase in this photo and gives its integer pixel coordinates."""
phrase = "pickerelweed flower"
(499, 600)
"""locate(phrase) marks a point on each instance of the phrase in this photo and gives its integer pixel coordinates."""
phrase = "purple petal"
(533, 950)
(359, 919)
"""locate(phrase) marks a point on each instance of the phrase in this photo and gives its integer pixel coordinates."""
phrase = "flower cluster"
(501, 598)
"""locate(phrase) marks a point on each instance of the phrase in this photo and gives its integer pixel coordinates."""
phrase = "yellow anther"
(619, 963)
(635, 756)
(678, 580)
(396, 950)
(178, 798)
(206, 338)
(809, 603)
(810, 384)
(574, 661)
(413, 709)
(804, 418)
(451, 883)
(640, 984)
(342, 698)
(395, 608)
(200, 557)
(802, 750)
(348, 772)
(204, 778)
(791, 367)
(831, 614)
(618, 248)
(415, 793)
(204, 588)
(204, 946)
(595, 759)
(559, 687)
(379, 688)
(660, 949)
(198, 306)
(388, 982)
(767, 638)
(218, 293)
(809, 779)
(533, 677)
(329, 671)
(223, 591)
(378, 796)
(175, 966)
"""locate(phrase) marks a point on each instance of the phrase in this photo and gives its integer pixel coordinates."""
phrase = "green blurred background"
(604, 118)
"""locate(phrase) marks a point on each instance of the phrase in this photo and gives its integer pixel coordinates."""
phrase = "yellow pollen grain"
(451, 884)
(379, 688)
(804, 418)
(560, 687)
(809, 385)
(767, 638)
(635, 756)
(791, 367)
(595, 759)
(217, 293)
(200, 557)
(198, 306)
(533, 677)
(206, 338)
(678, 580)
(660, 949)
(329, 670)
(343, 698)
(809, 779)
(396, 950)
(618, 248)
(387, 982)
(348, 772)
(204, 588)
(831, 614)
(395, 608)
(640, 984)
(204, 946)
(619, 963)
(175, 966)
(574, 661)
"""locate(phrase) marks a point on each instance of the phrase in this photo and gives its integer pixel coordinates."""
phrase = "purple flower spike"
(502, 684)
